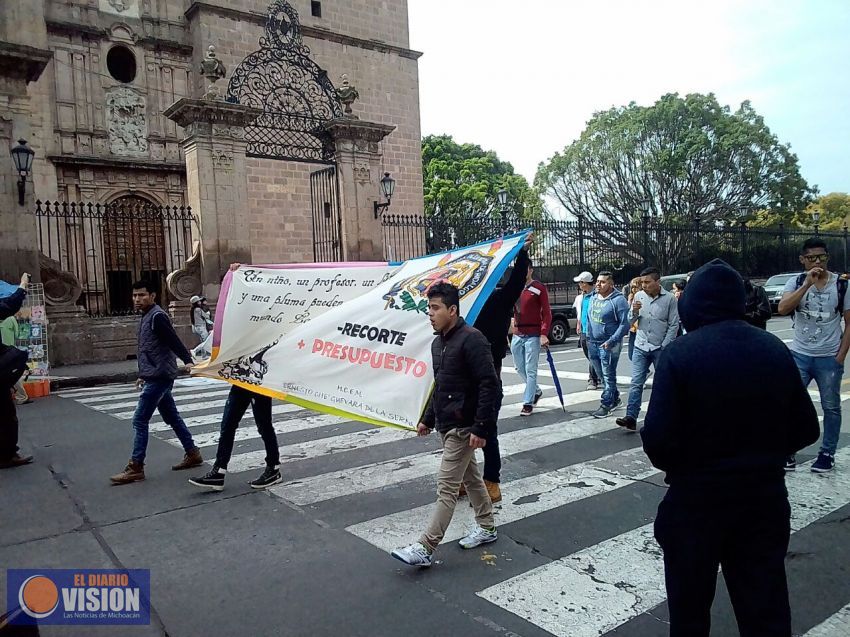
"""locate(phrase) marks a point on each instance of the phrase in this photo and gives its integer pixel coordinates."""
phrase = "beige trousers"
(458, 465)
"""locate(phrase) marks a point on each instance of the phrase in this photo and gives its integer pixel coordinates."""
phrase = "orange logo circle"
(38, 596)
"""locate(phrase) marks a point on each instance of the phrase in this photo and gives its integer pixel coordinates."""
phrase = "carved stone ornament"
(200, 116)
(185, 283)
(213, 69)
(60, 286)
(222, 160)
(347, 95)
(362, 174)
(123, 8)
(126, 122)
(120, 5)
(231, 132)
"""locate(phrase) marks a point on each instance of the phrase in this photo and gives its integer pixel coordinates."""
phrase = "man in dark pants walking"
(158, 347)
(237, 403)
(9, 456)
(493, 322)
(723, 441)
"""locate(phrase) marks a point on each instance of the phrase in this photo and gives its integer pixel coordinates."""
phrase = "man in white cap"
(581, 305)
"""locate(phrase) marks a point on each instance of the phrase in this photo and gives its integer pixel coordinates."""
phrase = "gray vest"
(156, 360)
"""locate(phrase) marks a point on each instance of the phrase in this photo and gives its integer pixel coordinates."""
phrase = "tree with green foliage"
(834, 211)
(461, 182)
(681, 157)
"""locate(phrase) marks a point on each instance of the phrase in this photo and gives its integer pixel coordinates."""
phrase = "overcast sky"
(523, 77)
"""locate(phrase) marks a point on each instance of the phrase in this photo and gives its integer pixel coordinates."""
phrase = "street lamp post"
(645, 205)
(387, 188)
(502, 196)
(816, 220)
(22, 156)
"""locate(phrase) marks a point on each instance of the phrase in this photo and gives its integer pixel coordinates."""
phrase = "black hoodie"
(728, 405)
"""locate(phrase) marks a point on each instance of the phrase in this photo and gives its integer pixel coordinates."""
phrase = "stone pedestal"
(19, 65)
(358, 158)
(217, 188)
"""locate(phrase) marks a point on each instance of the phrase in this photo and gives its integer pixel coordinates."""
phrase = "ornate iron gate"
(327, 224)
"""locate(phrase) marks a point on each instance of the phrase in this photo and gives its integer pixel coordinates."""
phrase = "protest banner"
(369, 356)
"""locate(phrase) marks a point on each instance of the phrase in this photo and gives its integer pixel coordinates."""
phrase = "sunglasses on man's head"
(811, 258)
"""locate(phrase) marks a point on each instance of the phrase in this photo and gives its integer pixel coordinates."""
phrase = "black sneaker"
(791, 463)
(269, 477)
(627, 422)
(537, 395)
(214, 480)
(825, 462)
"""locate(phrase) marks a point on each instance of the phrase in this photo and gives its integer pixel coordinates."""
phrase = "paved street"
(575, 555)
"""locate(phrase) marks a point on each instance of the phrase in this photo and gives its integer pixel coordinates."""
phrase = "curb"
(79, 382)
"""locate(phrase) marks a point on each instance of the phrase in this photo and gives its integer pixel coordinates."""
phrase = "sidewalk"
(94, 374)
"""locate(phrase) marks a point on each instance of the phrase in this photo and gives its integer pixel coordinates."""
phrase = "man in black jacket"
(723, 442)
(463, 407)
(9, 456)
(493, 322)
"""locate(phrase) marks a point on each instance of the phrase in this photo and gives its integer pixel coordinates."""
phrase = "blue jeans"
(640, 370)
(827, 374)
(156, 394)
(526, 353)
(605, 361)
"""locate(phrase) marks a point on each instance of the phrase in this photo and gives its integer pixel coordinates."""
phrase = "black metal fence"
(564, 248)
(108, 247)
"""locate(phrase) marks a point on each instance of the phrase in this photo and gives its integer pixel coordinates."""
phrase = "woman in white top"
(201, 323)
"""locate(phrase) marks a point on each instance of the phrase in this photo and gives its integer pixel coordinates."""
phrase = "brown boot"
(15, 461)
(462, 491)
(493, 491)
(191, 459)
(133, 472)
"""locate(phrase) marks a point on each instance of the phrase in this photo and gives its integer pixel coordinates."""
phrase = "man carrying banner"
(463, 407)
(494, 322)
(237, 404)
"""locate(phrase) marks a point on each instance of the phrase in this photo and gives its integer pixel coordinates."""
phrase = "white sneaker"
(478, 537)
(416, 555)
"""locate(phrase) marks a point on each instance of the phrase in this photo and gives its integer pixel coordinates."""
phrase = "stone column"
(19, 65)
(358, 160)
(217, 188)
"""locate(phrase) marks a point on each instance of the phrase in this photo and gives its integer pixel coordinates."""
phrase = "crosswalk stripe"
(248, 430)
(180, 400)
(837, 625)
(219, 387)
(513, 390)
(524, 497)
(568, 375)
(157, 425)
(376, 476)
(194, 381)
(602, 586)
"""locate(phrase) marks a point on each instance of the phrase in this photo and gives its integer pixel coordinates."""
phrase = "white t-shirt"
(817, 324)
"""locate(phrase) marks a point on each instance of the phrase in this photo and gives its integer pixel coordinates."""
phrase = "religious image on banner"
(364, 351)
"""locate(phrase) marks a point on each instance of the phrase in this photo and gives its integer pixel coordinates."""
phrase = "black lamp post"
(816, 219)
(387, 188)
(22, 158)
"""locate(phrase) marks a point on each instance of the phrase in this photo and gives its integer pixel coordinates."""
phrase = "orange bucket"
(37, 388)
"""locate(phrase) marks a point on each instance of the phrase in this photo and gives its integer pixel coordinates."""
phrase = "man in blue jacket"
(607, 323)
(723, 443)
(159, 346)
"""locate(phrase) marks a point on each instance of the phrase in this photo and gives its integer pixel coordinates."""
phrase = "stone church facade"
(94, 85)
(98, 123)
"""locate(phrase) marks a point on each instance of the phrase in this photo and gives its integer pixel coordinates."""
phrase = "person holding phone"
(818, 300)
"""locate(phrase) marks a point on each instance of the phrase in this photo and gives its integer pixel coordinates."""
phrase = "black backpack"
(841, 284)
(13, 364)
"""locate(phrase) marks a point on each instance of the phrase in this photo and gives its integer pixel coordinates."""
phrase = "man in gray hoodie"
(608, 323)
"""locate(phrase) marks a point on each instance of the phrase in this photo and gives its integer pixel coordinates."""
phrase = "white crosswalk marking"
(373, 477)
(589, 592)
(528, 496)
(595, 590)
(838, 625)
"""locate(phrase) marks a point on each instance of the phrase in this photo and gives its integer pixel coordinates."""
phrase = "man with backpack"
(818, 299)
(12, 365)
